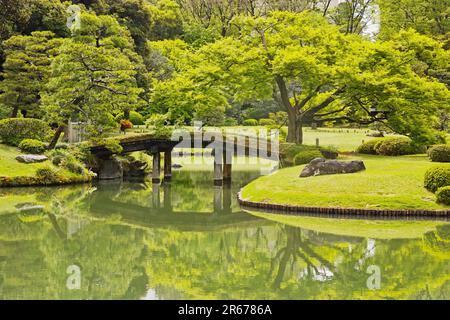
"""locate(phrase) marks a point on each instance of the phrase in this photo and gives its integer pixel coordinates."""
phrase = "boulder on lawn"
(31, 158)
(321, 167)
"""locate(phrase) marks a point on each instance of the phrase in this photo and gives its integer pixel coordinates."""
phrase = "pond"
(190, 240)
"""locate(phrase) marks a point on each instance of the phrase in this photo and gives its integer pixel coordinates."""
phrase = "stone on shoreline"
(320, 167)
(31, 158)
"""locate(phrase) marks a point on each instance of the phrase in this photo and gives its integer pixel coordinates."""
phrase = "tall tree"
(94, 75)
(322, 75)
(26, 71)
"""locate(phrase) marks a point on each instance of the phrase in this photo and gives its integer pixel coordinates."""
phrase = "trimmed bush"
(135, 118)
(440, 153)
(230, 122)
(32, 146)
(266, 122)
(368, 147)
(398, 147)
(306, 157)
(443, 195)
(437, 177)
(250, 123)
(13, 131)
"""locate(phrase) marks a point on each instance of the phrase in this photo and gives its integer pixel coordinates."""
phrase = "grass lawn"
(345, 140)
(374, 229)
(10, 167)
(388, 183)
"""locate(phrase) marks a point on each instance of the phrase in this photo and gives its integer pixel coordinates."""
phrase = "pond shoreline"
(337, 212)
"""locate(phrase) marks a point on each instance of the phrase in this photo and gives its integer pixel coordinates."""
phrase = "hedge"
(437, 177)
(305, 157)
(440, 153)
(14, 130)
(443, 195)
(33, 146)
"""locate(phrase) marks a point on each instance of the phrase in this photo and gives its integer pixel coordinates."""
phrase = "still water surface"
(189, 240)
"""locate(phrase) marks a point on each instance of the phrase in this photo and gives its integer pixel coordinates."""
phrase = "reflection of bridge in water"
(224, 148)
(161, 212)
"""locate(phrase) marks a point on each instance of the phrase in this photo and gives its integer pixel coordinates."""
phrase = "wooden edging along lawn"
(341, 212)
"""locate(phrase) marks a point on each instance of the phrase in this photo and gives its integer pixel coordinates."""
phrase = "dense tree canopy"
(211, 59)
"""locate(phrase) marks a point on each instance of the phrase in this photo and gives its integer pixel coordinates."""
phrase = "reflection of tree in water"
(261, 260)
(297, 247)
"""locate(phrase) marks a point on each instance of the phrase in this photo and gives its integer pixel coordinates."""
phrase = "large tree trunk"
(56, 137)
(295, 134)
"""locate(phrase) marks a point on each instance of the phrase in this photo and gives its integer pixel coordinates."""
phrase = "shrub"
(13, 131)
(443, 195)
(64, 159)
(281, 131)
(250, 123)
(266, 122)
(437, 177)
(306, 157)
(135, 118)
(329, 152)
(397, 147)
(32, 146)
(230, 122)
(440, 153)
(47, 174)
(368, 147)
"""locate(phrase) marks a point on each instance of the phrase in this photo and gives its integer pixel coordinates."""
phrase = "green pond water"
(190, 240)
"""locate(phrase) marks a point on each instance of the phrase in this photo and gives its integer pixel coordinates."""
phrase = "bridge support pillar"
(218, 192)
(227, 168)
(227, 199)
(218, 174)
(156, 196)
(167, 196)
(167, 165)
(156, 173)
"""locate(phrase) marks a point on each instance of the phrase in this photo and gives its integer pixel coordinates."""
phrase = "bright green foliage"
(437, 177)
(13, 131)
(443, 195)
(368, 147)
(135, 117)
(94, 75)
(266, 122)
(250, 122)
(425, 16)
(33, 146)
(305, 157)
(26, 70)
(440, 153)
(330, 77)
(166, 20)
(47, 174)
(397, 146)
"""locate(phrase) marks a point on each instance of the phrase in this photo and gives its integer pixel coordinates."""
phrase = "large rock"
(31, 158)
(111, 169)
(134, 168)
(321, 167)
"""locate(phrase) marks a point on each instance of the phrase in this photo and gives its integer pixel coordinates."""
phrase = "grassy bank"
(16, 174)
(388, 183)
